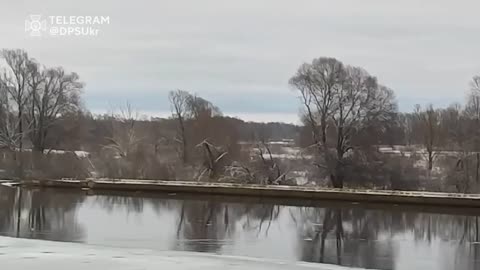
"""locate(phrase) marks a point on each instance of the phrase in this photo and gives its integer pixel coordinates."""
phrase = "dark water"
(352, 235)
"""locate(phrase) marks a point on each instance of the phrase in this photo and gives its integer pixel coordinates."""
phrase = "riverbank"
(273, 191)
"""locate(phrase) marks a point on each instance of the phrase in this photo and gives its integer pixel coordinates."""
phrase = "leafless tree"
(15, 80)
(179, 106)
(38, 96)
(54, 93)
(428, 128)
(198, 107)
(343, 100)
(317, 83)
(472, 113)
(212, 160)
(270, 169)
(124, 138)
(472, 108)
(407, 122)
(455, 128)
(124, 145)
(9, 132)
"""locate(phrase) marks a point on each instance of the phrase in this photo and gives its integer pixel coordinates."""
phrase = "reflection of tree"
(44, 214)
(260, 217)
(344, 237)
(468, 251)
(364, 238)
(203, 226)
(335, 233)
(332, 221)
(113, 202)
(52, 215)
(8, 201)
(315, 242)
(207, 225)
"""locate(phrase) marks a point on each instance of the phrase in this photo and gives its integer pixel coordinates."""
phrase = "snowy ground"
(20, 254)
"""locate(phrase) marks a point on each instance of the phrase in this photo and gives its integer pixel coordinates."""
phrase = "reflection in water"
(343, 234)
(202, 226)
(8, 204)
(345, 237)
(37, 214)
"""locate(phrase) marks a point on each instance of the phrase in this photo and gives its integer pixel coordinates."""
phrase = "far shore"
(267, 191)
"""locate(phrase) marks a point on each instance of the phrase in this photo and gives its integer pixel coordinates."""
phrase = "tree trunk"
(336, 175)
(20, 128)
(430, 160)
(477, 167)
(337, 178)
(339, 235)
(184, 142)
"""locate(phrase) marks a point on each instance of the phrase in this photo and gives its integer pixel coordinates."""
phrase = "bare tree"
(428, 127)
(472, 113)
(124, 138)
(472, 108)
(270, 169)
(343, 100)
(317, 83)
(15, 81)
(455, 128)
(461, 130)
(39, 97)
(125, 155)
(54, 93)
(179, 106)
(198, 107)
(9, 136)
(212, 160)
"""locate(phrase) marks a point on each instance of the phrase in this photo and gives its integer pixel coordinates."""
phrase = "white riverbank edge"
(20, 254)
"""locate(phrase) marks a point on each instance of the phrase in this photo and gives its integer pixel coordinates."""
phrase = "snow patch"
(45, 255)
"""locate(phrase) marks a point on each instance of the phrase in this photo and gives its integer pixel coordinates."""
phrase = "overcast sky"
(240, 54)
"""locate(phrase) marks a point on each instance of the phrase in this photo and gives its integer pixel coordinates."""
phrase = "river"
(347, 234)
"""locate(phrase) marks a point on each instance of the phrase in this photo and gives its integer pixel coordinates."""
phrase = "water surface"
(352, 235)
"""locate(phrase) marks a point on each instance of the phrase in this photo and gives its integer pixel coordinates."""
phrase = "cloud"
(240, 54)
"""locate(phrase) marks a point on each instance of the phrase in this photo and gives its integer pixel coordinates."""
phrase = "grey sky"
(240, 54)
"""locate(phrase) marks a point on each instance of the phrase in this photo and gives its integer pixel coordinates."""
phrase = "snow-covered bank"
(42, 255)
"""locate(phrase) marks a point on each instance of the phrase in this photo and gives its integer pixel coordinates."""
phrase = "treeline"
(41, 115)
(350, 120)
(85, 131)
